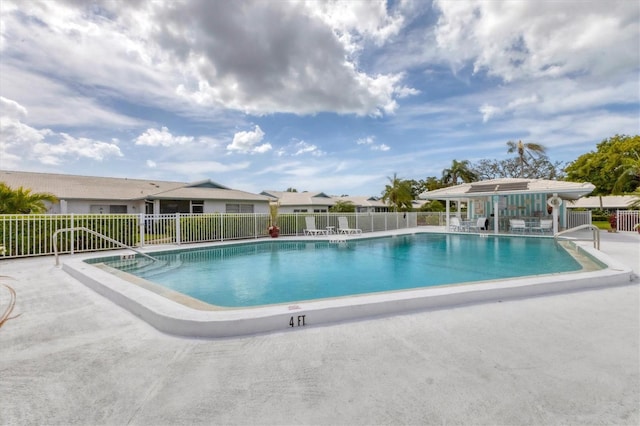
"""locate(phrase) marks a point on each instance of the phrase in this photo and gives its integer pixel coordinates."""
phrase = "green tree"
(398, 193)
(538, 168)
(433, 206)
(525, 150)
(23, 201)
(429, 184)
(629, 170)
(610, 167)
(343, 206)
(459, 170)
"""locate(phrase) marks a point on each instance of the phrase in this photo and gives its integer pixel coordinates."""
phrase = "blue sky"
(327, 96)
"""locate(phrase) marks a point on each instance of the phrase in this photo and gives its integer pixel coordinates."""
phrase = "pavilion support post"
(447, 211)
(496, 219)
(555, 217)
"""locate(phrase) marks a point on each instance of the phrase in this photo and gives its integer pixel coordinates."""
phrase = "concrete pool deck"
(74, 357)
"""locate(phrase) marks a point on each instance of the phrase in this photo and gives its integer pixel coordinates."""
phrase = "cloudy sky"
(331, 96)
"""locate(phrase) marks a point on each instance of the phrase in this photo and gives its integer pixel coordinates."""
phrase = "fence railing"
(577, 218)
(432, 218)
(31, 235)
(627, 219)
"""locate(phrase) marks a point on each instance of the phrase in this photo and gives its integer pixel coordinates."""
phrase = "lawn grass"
(604, 224)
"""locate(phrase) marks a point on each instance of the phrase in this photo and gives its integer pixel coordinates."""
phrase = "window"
(174, 206)
(319, 210)
(239, 208)
(102, 209)
(197, 206)
(299, 210)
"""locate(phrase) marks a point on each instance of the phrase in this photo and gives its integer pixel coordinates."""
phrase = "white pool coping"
(174, 318)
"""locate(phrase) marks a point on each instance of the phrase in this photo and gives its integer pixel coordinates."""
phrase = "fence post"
(141, 228)
(221, 228)
(73, 234)
(178, 228)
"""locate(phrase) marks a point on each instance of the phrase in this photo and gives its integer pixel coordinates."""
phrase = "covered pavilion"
(500, 200)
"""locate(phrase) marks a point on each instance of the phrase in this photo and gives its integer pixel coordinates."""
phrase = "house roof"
(73, 187)
(286, 198)
(504, 186)
(608, 202)
(362, 201)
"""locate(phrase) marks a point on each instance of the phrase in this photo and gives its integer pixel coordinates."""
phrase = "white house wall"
(136, 207)
(215, 206)
(85, 206)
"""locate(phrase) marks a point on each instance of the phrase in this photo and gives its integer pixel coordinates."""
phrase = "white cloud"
(23, 142)
(489, 111)
(12, 109)
(366, 141)
(517, 40)
(162, 137)
(297, 147)
(151, 164)
(247, 142)
(370, 142)
(55, 154)
(357, 19)
(381, 147)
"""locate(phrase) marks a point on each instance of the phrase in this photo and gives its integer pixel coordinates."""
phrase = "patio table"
(466, 224)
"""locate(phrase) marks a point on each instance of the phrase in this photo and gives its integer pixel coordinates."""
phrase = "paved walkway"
(73, 357)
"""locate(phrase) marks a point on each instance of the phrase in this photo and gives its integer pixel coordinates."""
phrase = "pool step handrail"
(595, 234)
(91, 231)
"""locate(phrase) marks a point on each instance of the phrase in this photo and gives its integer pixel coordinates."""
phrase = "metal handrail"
(82, 228)
(595, 234)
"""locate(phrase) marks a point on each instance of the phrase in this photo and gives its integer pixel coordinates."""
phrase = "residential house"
(91, 194)
(365, 204)
(300, 202)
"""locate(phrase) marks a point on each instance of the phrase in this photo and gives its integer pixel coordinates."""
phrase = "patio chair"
(311, 227)
(454, 224)
(343, 227)
(546, 225)
(517, 225)
(481, 224)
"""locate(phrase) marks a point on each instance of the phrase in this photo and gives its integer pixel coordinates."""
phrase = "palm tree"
(22, 201)
(342, 206)
(629, 170)
(459, 170)
(629, 174)
(532, 150)
(397, 193)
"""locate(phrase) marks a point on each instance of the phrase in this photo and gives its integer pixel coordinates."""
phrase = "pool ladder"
(595, 234)
(54, 240)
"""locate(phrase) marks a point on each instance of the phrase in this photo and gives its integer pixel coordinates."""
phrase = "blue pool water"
(283, 272)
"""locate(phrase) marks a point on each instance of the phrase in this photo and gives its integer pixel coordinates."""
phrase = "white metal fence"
(577, 218)
(30, 235)
(627, 219)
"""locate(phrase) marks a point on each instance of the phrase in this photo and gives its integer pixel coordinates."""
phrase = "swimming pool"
(277, 271)
(174, 312)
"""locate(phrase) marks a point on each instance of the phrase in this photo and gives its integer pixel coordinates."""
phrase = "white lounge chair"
(343, 227)
(311, 227)
(546, 225)
(454, 224)
(517, 225)
(481, 224)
